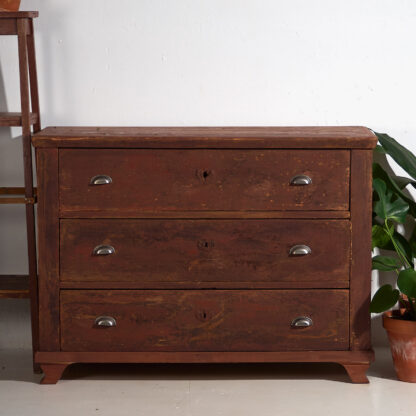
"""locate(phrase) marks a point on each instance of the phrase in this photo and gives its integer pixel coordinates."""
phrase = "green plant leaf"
(391, 184)
(385, 263)
(380, 149)
(402, 182)
(412, 241)
(407, 282)
(404, 157)
(404, 246)
(386, 208)
(379, 237)
(385, 298)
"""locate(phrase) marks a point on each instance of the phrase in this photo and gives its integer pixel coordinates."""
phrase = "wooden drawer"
(205, 251)
(207, 320)
(149, 180)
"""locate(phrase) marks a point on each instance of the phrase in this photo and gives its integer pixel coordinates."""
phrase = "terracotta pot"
(402, 337)
(9, 5)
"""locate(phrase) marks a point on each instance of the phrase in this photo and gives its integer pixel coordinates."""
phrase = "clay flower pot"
(9, 5)
(402, 337)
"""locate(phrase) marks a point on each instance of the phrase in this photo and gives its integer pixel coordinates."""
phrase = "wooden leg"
(357, 372)
(52, 373)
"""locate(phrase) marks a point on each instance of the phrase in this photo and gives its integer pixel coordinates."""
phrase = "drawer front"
(149, 180)
(205, 250)
(206, 320)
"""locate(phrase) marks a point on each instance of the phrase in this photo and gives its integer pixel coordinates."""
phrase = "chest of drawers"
(183, 245)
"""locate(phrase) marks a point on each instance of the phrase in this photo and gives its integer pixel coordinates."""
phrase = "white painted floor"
(166, 390)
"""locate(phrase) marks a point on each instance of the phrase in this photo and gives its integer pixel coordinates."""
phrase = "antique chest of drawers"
(183, 245)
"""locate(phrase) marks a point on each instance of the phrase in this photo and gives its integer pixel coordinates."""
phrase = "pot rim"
(398, 325)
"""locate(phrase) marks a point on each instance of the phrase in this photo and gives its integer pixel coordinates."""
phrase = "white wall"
(209, 62)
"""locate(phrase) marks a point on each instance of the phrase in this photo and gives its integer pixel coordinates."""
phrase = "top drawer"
(151, 180)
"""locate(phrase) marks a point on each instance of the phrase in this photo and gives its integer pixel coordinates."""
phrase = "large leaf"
(407, 282)
(404, 247)
(387, 208)
(380, 149)
(402, 182)
(404, 157)
(391, 184)
(385, 298)
(380, 238)
(412, 241)
(385, 263)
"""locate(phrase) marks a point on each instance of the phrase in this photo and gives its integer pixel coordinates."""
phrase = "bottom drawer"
(204, 320)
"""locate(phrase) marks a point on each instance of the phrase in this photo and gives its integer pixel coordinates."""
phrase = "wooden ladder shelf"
(20, 24)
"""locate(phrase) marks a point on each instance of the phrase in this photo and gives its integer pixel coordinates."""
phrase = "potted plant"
(9, 5)
(392, 207)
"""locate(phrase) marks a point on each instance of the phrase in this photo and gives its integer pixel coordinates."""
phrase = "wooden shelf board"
(19, 14)
(14, 286)
(8, 119)
(10, 195)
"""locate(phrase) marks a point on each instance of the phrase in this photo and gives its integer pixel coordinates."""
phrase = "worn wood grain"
(194, 180)
(156, 210)
(214, 320)
(52, 373)
(361, 209)
(24, 32)
(23, 14)
(202, 137)
(70, 357)
(48, 243)
(8, 26)
(130, 213)
(355, 362)
(231, 284)
(357, 372)
(205, 250)
(8, 119)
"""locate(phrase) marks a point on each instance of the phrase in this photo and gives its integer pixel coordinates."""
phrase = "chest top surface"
(207, 137)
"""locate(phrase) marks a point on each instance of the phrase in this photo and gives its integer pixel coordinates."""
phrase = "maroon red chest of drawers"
(207, 245)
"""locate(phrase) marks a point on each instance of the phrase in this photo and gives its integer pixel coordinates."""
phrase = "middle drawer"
(205, 251)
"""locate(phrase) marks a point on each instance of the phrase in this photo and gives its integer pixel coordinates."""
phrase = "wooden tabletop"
(21, 14)
(210, 137)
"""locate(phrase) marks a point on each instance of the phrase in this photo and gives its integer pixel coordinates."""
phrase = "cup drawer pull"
(301, 180)
(101, 180)
(301, 322)
(300, 250)
(103, 250)
(105, 321)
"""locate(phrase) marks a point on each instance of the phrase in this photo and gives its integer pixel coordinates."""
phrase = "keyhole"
(204, 244)
(203, 174)
(201, 315)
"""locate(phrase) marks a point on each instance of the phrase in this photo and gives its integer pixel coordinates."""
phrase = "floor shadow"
(383, 365)
(16, 365)
(280, 371)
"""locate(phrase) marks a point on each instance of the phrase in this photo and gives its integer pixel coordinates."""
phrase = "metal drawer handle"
(102, 250)
(101, 180)
(301, 180)
(300, 250)
(301, 322)
(106, 321)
